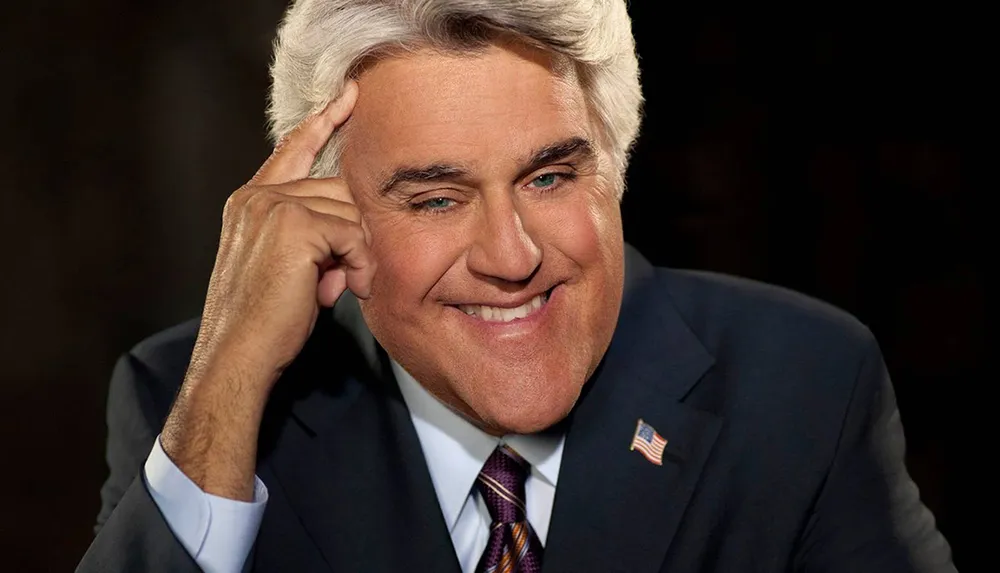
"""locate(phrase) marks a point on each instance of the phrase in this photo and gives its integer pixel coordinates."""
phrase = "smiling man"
(496, 229)
(501, 384)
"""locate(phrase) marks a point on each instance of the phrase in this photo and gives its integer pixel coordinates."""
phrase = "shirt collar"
(456, 450)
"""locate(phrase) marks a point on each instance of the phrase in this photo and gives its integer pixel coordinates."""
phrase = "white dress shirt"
(216, 531)
(456, 450)
(219, 533)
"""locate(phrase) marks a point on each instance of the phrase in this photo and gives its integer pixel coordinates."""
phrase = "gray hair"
(321, 43)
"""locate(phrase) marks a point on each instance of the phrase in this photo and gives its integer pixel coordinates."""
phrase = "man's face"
(496, 228)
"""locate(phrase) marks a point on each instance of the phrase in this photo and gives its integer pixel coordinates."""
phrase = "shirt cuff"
(217, 532)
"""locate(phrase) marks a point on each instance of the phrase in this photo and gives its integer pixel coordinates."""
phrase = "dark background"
(832, 152)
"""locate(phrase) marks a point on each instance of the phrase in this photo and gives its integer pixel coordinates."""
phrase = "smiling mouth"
(499, 314)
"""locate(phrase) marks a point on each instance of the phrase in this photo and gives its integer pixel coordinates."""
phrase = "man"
(506, 386)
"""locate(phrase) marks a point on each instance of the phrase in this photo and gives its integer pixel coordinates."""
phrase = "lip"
(518, 326)
(508, 303)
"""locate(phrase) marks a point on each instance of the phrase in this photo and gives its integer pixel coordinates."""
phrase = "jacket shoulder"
(784, 363)
(721, 309)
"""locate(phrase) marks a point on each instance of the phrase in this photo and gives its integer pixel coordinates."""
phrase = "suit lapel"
(350, 464)
(614, 510)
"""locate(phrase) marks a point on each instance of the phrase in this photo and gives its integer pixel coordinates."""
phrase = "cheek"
(608, 237)
(589, 234)
(411, 260)
(587, 231)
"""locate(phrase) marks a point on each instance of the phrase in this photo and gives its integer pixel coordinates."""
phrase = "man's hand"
(290, 245)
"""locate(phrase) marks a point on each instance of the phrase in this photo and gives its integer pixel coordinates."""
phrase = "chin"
(529, 419)
(531, 422)
(533, 405)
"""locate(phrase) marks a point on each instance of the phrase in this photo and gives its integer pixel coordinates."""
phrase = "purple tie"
(513, 546)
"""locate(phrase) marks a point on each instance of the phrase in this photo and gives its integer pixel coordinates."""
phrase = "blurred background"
(831, 152)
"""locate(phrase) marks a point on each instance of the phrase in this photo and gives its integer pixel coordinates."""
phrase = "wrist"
(211, 432)
(236, 367)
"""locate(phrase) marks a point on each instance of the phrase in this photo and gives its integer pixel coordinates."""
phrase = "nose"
(503, 249)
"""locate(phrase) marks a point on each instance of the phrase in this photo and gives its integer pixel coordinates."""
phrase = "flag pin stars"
(648, 443)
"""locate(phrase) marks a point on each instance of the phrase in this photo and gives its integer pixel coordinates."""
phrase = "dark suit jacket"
(785, 449)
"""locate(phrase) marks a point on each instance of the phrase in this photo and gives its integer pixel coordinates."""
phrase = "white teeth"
(497, 314)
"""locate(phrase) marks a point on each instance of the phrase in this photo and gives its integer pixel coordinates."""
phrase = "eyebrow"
(436, 172)
(558, 151)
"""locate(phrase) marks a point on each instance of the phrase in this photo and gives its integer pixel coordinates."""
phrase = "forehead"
(428, 105)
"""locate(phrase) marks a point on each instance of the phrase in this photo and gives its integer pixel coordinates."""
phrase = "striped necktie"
(513, 546)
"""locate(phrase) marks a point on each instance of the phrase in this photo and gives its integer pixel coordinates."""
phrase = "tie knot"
(501, 483)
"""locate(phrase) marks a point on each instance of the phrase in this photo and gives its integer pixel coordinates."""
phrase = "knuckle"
(346, 233)
(311, 186)
(331, 187)
(246, 202)
(234, 202)
(341, 191)
(258, 205)
(351, 212)
(286, 211)
(355, 233)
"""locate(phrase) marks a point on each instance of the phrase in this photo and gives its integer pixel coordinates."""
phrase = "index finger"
(295, 153)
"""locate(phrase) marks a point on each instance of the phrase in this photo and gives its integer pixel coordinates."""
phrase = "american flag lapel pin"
(648, 443)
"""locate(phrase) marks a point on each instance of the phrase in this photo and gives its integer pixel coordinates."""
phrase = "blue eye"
(434, 204)
(545, 181)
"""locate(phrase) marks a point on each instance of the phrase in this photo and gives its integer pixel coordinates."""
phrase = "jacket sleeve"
(868, 516)
(131, 533)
